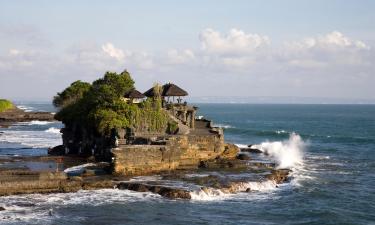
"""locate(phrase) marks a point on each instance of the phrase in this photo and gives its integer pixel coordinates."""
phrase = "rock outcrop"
(17, 115)
(178, 152)
(28, 182)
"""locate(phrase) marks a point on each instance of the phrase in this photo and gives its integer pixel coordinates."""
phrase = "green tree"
(71, 94)
(102, 109)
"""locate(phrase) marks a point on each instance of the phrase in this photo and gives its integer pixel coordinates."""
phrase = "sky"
(292, 50)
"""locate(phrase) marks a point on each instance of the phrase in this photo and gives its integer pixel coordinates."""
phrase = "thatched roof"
(134, 94)
(168, 90)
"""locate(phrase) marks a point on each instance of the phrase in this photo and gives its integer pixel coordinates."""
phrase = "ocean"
(330, 148)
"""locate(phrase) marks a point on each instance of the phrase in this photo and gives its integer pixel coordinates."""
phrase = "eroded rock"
(157, 189)
(243, 156)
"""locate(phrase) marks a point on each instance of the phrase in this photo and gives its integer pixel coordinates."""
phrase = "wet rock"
(251, 150)
(57, 150)
(230, 151)
(18, 115)
(220, 163)
(167, 192)
(25, 204)
(279, 175)
(243, 156)
(209, 181)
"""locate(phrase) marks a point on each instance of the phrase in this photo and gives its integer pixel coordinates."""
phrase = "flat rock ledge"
(17, 115)
(14, 182)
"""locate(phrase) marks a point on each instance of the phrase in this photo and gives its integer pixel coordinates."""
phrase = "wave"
(78, 169)
(26, 108)
(53, 130)
(37, 208)
(224, 126)
(33, 139)
(209, 194)
(38, 122)
(288, 154)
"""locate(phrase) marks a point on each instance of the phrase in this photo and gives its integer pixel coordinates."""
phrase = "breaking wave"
(209, 194)
(288, 154)
(53, 130)
(26, 108)
(33, 139)
(37, 122)
(43, 208)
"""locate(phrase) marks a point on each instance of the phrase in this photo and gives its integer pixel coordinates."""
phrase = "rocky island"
(10, 114)
(113, 134)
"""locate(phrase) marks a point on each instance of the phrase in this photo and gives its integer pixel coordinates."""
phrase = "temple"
(185, 143)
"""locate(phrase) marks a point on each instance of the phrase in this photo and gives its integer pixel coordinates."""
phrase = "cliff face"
(179, 152)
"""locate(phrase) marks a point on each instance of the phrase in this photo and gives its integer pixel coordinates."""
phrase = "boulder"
(168, 192)
(251, 150)
(57, 150)
(243, 156)
(2, 208)
(230, 151)
(279, 175)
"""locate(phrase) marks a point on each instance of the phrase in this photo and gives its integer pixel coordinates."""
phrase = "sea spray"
(288, 154)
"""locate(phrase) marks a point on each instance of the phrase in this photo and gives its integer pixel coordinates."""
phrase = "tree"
(71, 94)
(99, 107)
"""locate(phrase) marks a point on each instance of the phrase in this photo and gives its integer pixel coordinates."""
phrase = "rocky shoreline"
(212, 179)
(215, 175)
(16, 115)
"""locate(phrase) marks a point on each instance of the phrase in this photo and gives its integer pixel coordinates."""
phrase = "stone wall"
(180, 152)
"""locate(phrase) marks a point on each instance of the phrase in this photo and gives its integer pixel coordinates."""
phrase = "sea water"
(330, 149)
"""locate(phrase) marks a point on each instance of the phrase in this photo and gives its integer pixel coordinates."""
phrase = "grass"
(5, 105)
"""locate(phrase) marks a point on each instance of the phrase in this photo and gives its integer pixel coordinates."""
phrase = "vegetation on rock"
(5, 105)
(100, 106)
(71, 94)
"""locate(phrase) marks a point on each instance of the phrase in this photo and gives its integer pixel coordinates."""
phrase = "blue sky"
(321, 49)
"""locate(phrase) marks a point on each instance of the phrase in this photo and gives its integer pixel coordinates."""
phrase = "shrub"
(5, 105)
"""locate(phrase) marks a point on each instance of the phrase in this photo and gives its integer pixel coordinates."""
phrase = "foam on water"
(36, 208)
(288, 154)
(33, 139)
(38, 122)
(78, 169)
(26, 108)
(53, 130)
(213, 194)
(224, 126)
(242, 145)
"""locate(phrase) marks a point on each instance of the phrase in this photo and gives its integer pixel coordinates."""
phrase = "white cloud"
(113, 52)
(331, 41)
(235, 42)
(246, 62)
(329, 50)
(175, 56)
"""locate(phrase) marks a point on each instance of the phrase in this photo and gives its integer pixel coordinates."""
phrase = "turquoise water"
(334, 184)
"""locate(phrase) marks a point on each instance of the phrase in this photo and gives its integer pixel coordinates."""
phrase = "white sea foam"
(242, 145)
(281, 132)
(33, 139)
(288, 154)
(78, 169)
(35, 208)
(53, 130)
(212, 194)
(224, 126)
(38, 122)
(208, 194)
(26, 108)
